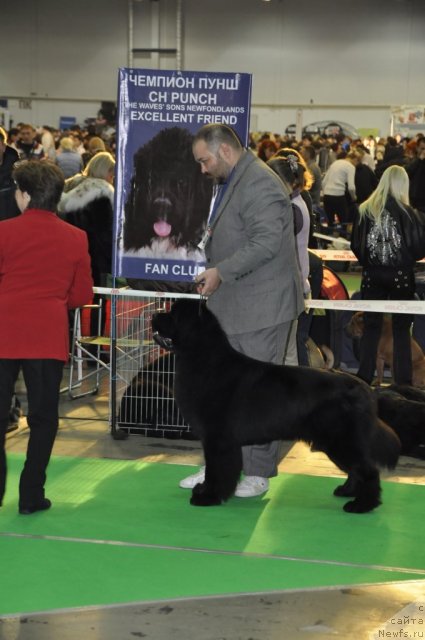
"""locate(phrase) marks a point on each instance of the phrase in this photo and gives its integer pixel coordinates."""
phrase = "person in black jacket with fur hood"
(88, 203)
(8, 157)
(388, 238)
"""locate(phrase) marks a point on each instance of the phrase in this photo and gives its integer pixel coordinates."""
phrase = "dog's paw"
(355, 506)
(204, 500)
(344, 491)
(198, 489)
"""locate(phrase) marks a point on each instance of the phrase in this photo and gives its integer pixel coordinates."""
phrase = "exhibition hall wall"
(320, 58)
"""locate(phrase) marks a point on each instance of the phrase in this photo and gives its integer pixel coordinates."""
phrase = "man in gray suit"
(252, 279)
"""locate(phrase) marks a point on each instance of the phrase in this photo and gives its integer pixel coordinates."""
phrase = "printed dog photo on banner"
(162, 197)
(167, 207)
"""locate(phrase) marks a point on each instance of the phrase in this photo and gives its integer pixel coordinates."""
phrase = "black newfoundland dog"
(168, 204)
(231, 400)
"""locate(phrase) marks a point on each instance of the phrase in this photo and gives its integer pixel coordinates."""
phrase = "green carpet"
(140, 503)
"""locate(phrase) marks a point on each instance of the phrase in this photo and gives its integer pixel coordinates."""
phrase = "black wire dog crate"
(142, 374)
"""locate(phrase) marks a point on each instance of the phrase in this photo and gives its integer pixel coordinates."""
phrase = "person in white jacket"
(339, 191)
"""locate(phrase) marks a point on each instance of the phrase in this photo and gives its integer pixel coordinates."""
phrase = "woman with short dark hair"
(44, 272)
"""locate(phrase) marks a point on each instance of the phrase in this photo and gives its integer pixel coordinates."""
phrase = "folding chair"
(86, 351)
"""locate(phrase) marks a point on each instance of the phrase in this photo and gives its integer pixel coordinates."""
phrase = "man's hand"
(208, 281)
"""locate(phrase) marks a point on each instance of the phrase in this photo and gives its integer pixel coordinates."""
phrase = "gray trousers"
(267, 345)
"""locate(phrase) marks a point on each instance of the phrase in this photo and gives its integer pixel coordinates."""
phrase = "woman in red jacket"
(44, 271)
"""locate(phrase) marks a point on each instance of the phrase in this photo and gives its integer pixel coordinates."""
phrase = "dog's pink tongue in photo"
(162, 228)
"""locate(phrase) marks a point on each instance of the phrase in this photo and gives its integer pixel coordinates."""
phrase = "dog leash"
(202, 301)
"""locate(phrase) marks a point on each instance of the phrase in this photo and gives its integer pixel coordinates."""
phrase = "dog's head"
(355, 327)
(186, 327)
(169, 197)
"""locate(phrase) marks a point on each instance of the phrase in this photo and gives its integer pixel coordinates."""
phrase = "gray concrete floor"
(363, 612)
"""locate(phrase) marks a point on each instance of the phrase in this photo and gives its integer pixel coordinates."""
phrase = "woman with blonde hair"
(102, 165)
(88, 203)
(388, 238)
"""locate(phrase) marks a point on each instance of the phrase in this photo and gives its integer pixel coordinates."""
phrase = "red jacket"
(44, 271)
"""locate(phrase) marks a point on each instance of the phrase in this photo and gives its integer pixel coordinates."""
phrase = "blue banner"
(161, 197)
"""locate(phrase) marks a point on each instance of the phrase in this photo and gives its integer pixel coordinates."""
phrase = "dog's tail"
(386, 445)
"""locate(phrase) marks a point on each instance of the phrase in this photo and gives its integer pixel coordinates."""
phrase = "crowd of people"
(341, 172)
(344, 171)
(87, 164)
(270, 199)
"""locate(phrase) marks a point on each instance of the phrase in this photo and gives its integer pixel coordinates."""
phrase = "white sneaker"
(251, 486)
(193, 480)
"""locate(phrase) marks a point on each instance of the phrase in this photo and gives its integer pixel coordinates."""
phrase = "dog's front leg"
(348, 489)
(222, 472)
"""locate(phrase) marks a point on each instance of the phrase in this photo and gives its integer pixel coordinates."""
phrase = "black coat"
(365, 181)
(8, 206)
(89, 206)
(416, 173)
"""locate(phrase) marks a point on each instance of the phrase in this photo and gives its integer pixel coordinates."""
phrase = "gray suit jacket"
(252, 244)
